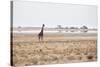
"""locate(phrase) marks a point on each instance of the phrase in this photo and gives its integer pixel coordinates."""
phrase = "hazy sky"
(51, 14)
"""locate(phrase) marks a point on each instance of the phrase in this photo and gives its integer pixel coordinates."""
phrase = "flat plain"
(56, 48)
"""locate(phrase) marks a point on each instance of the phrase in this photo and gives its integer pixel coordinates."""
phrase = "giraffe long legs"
(40, 38)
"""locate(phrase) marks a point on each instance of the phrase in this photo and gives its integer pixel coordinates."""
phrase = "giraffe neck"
(42, 29)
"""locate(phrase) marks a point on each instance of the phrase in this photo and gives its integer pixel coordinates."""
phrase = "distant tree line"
(83, 28)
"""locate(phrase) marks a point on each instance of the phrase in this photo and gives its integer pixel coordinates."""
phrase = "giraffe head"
(43, 25)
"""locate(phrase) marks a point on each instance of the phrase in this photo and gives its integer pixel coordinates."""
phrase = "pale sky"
(34, 14)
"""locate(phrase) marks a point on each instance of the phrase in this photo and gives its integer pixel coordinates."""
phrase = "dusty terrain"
(54, 49)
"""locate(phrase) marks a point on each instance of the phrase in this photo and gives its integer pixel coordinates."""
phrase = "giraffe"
(40, 35)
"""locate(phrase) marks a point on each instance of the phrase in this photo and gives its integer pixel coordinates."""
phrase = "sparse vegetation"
(27, 50)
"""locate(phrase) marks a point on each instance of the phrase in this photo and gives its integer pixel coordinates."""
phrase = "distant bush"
(73, 29)
(66, 29)
(84, 28)
(19, 28)
(59, 27)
